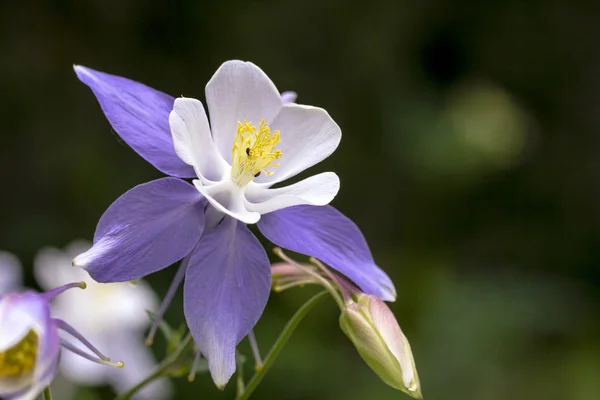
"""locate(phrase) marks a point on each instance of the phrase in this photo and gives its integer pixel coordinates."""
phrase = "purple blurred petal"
(226, 289)
(140, 115)
(325, 233)
(147, 229)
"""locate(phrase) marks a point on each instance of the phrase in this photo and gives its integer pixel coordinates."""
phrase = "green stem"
(279, 343)
(326, 284)
(47, 394)
(162, 369)
(241, 386)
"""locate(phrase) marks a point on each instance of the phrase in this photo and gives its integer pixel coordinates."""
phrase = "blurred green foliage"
(469, 158)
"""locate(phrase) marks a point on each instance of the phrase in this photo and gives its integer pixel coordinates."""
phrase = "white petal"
(32, 393)
(192, 140)
(139, 363)
(308, 136)
(129, 304)
(318, 190)
(239, 91)
(83, 372)
(106, 308)
(228, 198)
(101, 308)
(76, 247)
(52, 267)
(18, 315)
(10, 272)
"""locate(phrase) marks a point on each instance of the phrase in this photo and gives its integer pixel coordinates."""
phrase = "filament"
(89, 357)
(168, 298)
(71, 331)
(194, 369)
(255, 351)
(51, 294)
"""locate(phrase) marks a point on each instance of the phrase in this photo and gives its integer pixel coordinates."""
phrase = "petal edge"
(325, 233)
(147, 229)
(140, 115)
(226, 289)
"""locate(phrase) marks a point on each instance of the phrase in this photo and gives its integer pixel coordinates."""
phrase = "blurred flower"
(373, 329)
(479, 129)
(110, 315)
(489, 122)
(30, 344)
(10, 272)
(226, 270)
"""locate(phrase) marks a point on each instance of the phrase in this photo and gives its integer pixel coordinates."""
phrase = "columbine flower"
(253, 142)
(113, 316)
(30, 344)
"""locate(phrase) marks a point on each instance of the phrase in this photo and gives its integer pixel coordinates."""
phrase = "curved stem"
(168, 298)
(279, 343)
(326, 284)
(163, 368)
(255, 350)
(342, 284)
(241, 386)
(47, 394)
(194, 369)
(281, 288)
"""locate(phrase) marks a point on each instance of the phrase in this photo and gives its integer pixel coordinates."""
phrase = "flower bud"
(375, 333)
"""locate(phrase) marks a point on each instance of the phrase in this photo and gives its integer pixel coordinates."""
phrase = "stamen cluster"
(19, 359)
(253, 151)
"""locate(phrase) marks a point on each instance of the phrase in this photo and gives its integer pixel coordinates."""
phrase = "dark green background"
(469, 159)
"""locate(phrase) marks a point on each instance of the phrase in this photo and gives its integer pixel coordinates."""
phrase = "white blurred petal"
(101, 308)
(139, 363)
(53, 267)
(11, 275)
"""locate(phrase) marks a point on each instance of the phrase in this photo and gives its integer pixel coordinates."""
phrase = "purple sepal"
(225, 292)
(326, 234)
(145, 230)
(140, 115)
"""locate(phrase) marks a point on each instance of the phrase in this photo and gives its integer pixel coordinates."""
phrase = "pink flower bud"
(375, 333)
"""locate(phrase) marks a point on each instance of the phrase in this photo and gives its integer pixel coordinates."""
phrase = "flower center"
(19, 359)
(253, 151)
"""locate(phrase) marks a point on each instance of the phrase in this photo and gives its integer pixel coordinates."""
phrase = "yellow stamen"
(253, 151)
(19, 359)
